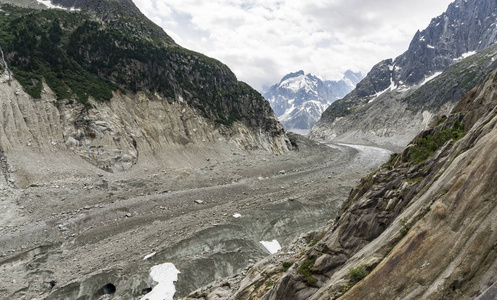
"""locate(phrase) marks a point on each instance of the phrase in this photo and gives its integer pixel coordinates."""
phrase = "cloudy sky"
(263, 40)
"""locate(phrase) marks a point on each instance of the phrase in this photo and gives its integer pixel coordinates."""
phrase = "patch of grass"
(286, 265)
(441, 120)
(358, 273)
(405, 226)
(389, 163)
(316, 239)
(232, 118)
(426, 146)
(305, 271)
(414, 180)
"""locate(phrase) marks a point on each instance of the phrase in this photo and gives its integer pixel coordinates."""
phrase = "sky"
(263, 40)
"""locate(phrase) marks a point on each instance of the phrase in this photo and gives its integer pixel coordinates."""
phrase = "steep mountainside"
(112, 86)
(467, 27)
(299, 99)
(420, 227)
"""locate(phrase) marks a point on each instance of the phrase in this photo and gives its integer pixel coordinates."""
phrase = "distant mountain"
(386, 109)
(298, 100)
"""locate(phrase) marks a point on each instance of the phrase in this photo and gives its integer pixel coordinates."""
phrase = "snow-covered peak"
(299, 99)
(299, 82)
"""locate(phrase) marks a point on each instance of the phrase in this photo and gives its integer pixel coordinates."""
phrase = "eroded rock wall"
(44, 139)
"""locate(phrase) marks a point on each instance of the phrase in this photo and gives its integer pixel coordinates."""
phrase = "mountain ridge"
(444, 42)
(299, 99)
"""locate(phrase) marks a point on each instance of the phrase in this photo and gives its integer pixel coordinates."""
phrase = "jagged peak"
(292, 75)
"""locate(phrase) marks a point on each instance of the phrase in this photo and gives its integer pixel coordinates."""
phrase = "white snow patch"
(294, 84)
(468, 54)
(272, 247)
(430, 77)
(464, 55)
(288, 113)
(237, 216)
(149, 255)
(165, 274)
(49, 4)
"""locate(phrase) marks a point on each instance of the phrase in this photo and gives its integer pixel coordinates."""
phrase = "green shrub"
(441, 120)
(358, 273)
(389, 163)
(316, 239)
(415, 180)
(305, 271)
(426, 146)
(286, 265)
(405, 226)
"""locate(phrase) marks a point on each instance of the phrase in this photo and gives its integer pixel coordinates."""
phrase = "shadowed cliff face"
(420, 227)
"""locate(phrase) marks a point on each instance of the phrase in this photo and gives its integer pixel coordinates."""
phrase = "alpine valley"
(133, 168)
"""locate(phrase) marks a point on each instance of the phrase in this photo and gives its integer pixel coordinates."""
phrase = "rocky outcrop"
(466, 28)
(420, 227)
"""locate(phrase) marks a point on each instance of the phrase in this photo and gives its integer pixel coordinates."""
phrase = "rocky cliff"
(466, 28)
(419, 227)
(105, 85)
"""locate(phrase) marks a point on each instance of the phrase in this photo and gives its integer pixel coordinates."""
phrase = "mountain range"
(389, 108)
(299, 99)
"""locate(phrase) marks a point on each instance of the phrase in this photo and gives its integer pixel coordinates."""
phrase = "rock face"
(466, 28)
(420, 227)
(299, 99)
(114, 93)
(114, 12)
